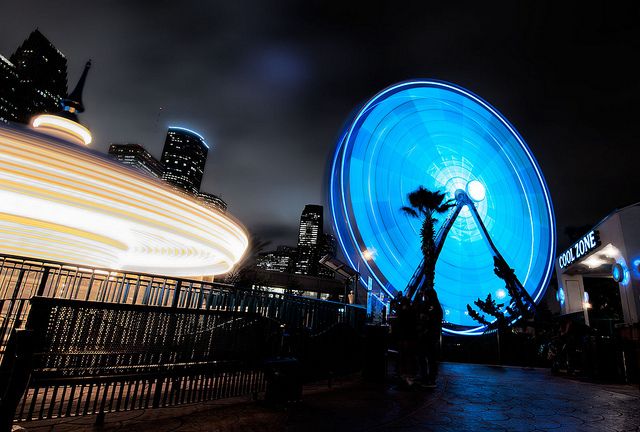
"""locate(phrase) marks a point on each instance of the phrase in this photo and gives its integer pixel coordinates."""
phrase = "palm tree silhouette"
(425, 204)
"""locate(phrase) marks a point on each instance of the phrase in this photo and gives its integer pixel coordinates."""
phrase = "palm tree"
(425, 204)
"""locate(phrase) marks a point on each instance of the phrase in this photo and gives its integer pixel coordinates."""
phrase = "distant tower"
(72, 104)
(309, 240)
(42, 72)
(184, 156)
(136, 156)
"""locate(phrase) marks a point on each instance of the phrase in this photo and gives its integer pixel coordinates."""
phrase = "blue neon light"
(617, 272)
(620, 272)
(560, 296)
(191, 132)
(636, 267)
(441, 136)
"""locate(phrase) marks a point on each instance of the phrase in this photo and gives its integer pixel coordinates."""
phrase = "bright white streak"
(61, 202)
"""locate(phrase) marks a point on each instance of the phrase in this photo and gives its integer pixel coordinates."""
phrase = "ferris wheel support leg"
(523, 300)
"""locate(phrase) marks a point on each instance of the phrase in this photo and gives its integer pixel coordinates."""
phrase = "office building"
(184, 156)
(9, 83)
(309, 240)
(280, 260)
(42, 75)
(136, 156)
(214, 201)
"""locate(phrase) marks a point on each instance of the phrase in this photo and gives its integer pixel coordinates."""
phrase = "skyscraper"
(184, 156)
(9, 84)
(309, 240)
(138, 157)
(42, 74)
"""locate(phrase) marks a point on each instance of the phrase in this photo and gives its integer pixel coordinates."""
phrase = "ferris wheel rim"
(354, 126)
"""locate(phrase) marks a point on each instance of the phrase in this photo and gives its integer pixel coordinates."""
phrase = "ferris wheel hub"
(476, 191)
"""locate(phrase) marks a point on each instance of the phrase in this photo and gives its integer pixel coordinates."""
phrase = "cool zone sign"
(582, 247)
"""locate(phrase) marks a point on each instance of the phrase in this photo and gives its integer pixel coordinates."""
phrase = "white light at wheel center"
(476, 190)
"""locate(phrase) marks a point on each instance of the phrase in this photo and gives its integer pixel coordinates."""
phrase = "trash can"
(284, 381)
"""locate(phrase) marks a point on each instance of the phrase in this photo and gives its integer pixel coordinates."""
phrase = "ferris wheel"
(438, 135)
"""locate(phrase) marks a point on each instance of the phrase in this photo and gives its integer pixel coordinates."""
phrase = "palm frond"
(426, 201)
(444, 207)
(409, 211)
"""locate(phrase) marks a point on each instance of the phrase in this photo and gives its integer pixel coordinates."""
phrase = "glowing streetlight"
(368, 254)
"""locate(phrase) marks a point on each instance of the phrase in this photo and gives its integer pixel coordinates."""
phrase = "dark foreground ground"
(468, 398)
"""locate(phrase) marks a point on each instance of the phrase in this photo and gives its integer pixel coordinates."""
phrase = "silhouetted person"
(405, 330)
(430, 328)
(575, 336)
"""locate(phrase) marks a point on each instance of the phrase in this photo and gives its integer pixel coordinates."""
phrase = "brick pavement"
(468, 398)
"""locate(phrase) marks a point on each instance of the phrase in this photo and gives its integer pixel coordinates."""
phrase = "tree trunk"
(428, 252)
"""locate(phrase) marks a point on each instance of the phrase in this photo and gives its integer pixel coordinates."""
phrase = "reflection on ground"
(468, 398)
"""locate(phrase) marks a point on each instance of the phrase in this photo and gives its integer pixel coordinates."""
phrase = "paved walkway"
(468, 398)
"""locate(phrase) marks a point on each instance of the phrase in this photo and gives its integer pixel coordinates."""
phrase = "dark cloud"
(270, 84)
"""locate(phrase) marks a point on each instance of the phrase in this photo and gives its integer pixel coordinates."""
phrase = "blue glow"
(191, 132)
(560, 296)
(616, 272)
(620, 272)
(636, 267)
(441, 136)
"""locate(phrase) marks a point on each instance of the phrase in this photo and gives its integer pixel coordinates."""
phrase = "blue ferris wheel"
(445, 138)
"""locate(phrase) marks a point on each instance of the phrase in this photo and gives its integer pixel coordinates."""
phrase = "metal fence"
(92, 357)
(22, 279)
(91, 341)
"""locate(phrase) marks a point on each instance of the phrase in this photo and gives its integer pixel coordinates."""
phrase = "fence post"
(176, 294)
(43, 282)
(15, 372)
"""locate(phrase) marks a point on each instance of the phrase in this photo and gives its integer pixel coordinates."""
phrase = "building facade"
(9, 84)
(213, 201)
(136, 156)
(184, 156)
(309, 240)
(280, 260)
(42, 76)
(599, 275)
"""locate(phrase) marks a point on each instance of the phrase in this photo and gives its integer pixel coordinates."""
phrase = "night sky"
(270, 85)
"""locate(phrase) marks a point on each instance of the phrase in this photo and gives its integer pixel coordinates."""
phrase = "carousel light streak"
(59, 201)
(63, 126)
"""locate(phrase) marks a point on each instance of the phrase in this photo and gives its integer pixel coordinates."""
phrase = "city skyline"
(291, 80)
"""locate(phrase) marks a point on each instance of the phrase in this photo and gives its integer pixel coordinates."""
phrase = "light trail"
(61, 202)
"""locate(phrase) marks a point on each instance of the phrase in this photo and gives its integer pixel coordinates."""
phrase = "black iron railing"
(79, 341)
(93, 358)
(23, 278)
